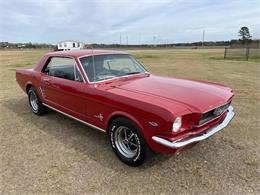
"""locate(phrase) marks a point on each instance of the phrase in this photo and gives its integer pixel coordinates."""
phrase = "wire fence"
(242, 53)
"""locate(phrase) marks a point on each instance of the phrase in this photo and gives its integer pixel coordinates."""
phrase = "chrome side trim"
(68, 115)
(181, 143)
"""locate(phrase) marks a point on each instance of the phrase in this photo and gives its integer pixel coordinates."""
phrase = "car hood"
(197, 96)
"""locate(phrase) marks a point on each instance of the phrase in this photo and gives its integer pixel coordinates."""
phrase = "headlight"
(177, 124)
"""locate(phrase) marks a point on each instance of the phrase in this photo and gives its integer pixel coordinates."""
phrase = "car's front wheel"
(127, 142)
(35, 103)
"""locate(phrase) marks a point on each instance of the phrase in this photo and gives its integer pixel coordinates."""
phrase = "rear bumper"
(186, 141)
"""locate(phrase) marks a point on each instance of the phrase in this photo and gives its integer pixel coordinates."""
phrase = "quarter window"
(63, 67)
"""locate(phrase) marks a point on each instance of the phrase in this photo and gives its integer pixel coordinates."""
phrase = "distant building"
(69, 45)
(21, 45)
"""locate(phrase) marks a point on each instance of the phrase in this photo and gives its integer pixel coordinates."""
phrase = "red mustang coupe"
(112, 92)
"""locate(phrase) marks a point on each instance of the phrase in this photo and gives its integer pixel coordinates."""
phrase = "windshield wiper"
(132, 73)
(105, 78)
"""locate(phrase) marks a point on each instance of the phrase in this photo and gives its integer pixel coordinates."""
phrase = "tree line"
(245, 40)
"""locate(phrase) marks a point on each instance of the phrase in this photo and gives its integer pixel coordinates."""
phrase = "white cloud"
(21, 18)
(104, 20)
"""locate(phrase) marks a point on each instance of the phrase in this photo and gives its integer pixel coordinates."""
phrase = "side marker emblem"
(99, 116)
(154, 124)
(42, 92)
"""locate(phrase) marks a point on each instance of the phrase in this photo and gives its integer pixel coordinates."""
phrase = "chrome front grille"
(212, 114)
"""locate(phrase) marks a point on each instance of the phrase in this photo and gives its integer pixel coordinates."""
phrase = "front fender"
(115, 114)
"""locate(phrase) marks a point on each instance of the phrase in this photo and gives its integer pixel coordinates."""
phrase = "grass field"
(54, 154)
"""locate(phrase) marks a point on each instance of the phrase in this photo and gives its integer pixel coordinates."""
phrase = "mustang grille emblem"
(220, 110)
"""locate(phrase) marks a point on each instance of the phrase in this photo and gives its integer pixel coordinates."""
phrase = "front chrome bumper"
(181, 143)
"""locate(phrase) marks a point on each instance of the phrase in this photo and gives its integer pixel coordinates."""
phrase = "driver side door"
(64, 87)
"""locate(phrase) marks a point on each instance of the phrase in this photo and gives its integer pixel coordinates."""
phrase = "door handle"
(46, 81)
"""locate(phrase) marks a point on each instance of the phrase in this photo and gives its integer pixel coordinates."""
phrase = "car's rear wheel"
(127, 142)
(35, 102)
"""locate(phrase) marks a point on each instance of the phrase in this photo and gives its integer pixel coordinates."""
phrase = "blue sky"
(143, 21)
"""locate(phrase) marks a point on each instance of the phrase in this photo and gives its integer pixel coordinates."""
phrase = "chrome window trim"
(85, 74)
(77, 119)
(94, 82)
(76, 67)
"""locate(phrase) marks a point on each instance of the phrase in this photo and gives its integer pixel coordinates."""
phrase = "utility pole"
(120, 40)
(154, 39)
(203, 37)
(127, 40)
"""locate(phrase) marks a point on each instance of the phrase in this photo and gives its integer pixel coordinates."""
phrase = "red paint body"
(143, 98)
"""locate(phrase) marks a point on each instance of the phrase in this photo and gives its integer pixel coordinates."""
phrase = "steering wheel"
(124, 70)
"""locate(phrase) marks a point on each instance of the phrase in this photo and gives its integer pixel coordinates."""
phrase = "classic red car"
(112, 92)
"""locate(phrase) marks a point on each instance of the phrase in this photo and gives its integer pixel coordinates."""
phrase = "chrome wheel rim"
(34, 101)
(126, 142)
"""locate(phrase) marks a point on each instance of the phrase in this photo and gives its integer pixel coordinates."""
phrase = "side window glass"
(63, 67)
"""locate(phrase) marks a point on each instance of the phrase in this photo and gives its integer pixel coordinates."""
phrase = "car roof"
(84, 52)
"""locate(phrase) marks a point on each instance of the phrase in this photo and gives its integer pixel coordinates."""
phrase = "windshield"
(110, 66)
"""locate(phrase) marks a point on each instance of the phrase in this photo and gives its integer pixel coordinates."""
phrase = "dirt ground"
(54, 154)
